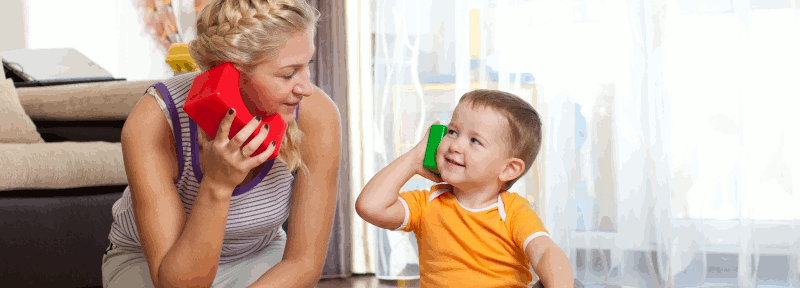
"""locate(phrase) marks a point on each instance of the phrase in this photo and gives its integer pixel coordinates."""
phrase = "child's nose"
(457, 145)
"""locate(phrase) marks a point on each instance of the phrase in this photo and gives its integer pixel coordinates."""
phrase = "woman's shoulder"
(318, 112)
(320, 122)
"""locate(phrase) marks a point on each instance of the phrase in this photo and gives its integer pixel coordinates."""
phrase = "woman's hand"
(418, 154)
(226, 163)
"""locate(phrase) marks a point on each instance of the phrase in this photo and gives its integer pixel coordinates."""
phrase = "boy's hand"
(418, 154)
(379, 202)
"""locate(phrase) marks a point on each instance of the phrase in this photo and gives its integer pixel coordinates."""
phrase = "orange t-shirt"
(460, 247)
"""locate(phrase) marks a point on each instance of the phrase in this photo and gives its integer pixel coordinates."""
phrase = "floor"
(366, 281)
(369, 281)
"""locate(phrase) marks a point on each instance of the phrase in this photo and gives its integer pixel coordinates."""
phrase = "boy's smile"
(473, 151)
(450, 161)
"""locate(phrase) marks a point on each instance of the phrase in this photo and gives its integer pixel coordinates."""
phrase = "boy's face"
(474, 151)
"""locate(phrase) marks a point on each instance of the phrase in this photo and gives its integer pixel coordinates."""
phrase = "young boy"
(470, 231)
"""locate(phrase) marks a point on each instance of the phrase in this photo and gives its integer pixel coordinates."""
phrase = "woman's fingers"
(261, 158)
(225, 125)
(203, 140)
(242, 135)
(202, 137)
(253, 145)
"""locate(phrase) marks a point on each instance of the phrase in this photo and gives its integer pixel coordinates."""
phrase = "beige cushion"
(111, 100)
(15, 125)
(61, 165)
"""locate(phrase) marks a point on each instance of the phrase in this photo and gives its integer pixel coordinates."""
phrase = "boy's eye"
(475, 141)
(451, 132)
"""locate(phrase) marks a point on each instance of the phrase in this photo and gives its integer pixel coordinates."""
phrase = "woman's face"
(278, 85)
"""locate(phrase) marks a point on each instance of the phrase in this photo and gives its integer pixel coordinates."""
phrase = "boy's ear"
(513, 169)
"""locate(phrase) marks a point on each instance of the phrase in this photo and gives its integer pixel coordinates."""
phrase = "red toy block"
(215, 91)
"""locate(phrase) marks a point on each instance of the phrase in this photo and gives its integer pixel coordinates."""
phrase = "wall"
(107, 31)
(12, 14)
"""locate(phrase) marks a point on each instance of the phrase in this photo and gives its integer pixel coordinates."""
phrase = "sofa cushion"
(15, 125)
(61, 165)
(112, 100)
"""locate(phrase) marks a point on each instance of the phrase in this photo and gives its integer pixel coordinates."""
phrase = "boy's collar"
(440, 189)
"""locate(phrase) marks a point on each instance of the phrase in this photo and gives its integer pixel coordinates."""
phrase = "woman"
(200, 212)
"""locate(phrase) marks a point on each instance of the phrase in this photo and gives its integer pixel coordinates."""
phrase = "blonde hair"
(524, 125)
(247, 33)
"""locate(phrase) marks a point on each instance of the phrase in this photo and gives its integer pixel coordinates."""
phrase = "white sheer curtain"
(667, 157)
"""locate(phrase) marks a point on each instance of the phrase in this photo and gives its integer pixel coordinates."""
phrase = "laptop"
(46, 67)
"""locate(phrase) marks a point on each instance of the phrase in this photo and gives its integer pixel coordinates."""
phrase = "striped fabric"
(257, 209)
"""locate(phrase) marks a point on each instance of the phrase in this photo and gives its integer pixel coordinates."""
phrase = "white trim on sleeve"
(152, 92)
(408, 214)
(534, 235)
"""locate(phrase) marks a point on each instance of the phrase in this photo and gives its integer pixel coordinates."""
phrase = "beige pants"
(124, 268)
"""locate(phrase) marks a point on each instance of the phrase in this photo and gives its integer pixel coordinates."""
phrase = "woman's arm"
(550, 263)
(151, 165)
(180, 250)
(313, 198)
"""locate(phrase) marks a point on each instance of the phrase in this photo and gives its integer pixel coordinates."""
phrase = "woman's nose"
(304, 86)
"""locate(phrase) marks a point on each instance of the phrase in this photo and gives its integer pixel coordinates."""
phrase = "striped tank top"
(257, 209)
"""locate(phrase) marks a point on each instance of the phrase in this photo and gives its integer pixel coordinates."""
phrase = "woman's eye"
(288, 77)
(475, 141)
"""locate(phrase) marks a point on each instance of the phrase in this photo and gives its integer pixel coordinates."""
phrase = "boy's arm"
(550, 263)
(378, 203)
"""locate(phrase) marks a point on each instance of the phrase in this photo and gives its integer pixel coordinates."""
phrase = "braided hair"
(247, 33)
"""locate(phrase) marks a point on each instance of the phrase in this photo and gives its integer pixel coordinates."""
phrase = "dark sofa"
(56, 236)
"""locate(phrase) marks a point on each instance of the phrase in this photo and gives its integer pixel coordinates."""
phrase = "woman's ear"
(513, 169)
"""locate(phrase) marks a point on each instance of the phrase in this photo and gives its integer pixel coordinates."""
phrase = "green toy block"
(437, 133)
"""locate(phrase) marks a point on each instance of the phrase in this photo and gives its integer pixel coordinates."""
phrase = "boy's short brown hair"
(524, 125)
